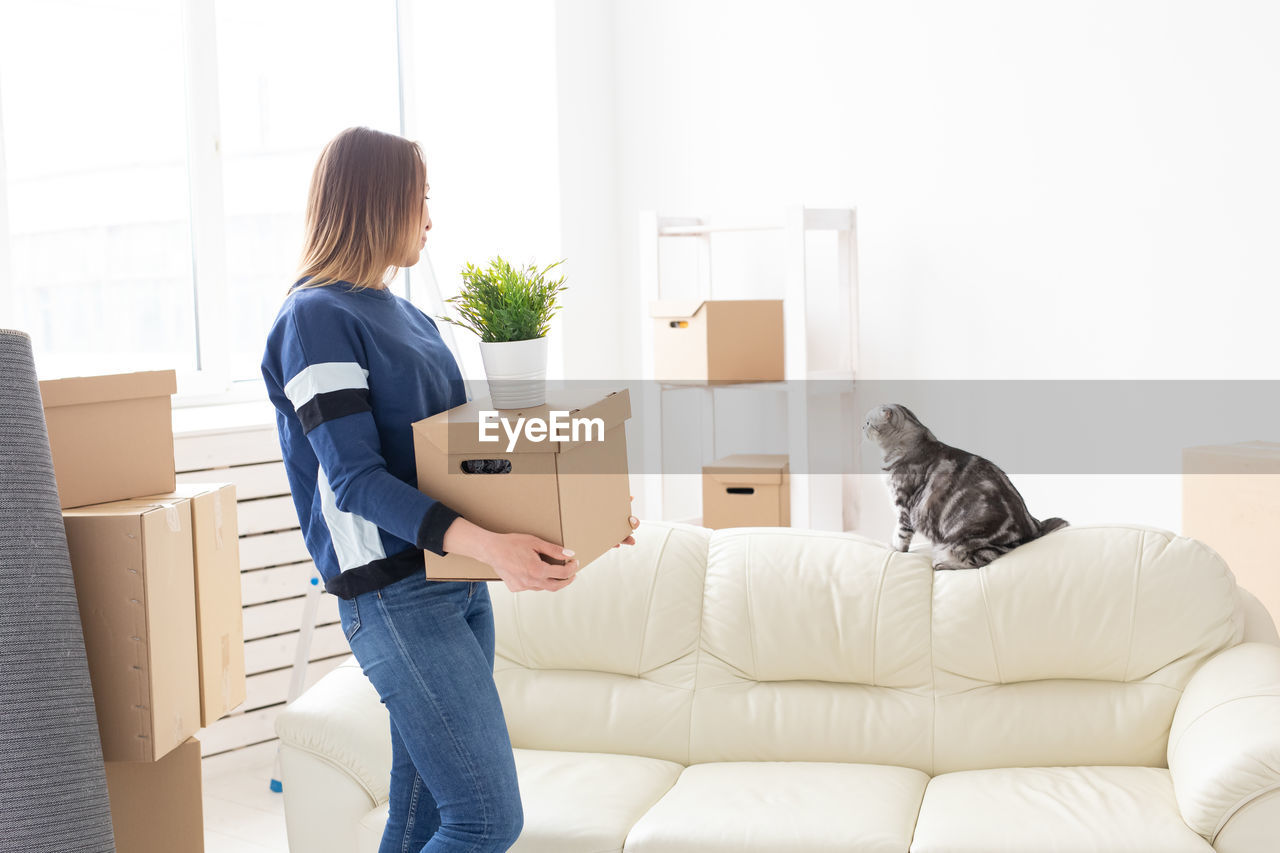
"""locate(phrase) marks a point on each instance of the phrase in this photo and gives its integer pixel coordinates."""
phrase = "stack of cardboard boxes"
(157, 576)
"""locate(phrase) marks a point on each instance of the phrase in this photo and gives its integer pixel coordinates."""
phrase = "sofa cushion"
(1074, 649)
(1066, 809)
(574, 802)
(783, 806)
(815, 647)
(607, 663)
(578, 802)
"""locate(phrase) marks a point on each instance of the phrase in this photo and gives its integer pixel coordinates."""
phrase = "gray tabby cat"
(962, 503)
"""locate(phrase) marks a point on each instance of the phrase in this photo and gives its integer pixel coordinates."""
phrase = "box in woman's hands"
(557, 471)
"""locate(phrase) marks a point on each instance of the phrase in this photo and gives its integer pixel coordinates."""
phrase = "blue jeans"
(428, 647)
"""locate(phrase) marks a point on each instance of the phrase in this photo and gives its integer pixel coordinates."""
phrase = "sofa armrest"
(323, 805)
(1258, 624)
(339, 728)
(1224, 746)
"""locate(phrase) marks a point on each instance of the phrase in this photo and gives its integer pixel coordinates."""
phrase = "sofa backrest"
(814, 647)
(789, 645)
(1075, 648)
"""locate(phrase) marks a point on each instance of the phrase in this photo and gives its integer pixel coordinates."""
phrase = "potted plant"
(510, 308)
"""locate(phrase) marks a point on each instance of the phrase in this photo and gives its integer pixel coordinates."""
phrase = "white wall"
(589, 213)
(1045, 190)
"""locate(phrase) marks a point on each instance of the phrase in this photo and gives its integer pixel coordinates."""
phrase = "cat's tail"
(1051, 524)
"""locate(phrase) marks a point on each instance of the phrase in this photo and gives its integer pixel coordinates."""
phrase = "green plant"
(505, 303)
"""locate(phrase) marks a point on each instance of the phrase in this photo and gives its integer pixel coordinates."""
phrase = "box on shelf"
(132, 564)
(218, 614)
(574, 492)
(156, 807)
(746, 490)
(111, 436)
(721, 340)
(1231, 502)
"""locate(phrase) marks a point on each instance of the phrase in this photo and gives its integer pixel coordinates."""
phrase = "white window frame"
(208, 213)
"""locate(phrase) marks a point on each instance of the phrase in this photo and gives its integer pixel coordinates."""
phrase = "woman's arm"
(323, 372)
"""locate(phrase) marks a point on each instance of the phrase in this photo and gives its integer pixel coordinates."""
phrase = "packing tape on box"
(226, 670)
(217, 519)
(173, 518)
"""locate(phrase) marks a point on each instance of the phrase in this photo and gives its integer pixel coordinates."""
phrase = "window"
(98, 102)
(96, 184)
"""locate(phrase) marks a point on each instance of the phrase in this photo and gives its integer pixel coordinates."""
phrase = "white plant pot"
(517, 372)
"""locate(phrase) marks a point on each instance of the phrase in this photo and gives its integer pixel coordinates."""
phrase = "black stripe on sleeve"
(434, 524)
(376, 575)
(332, 404)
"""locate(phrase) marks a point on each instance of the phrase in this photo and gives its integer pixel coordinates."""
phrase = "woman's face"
(426, 214)
(426, 226)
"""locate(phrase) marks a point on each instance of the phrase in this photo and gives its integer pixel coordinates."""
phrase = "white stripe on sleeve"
(355, 539)
(322, 378)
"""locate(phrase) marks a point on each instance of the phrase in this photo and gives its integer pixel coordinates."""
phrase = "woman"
(349, 366)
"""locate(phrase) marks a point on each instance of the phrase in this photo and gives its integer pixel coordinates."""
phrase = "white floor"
(241, 814)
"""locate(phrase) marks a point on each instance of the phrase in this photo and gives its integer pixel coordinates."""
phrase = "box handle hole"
(485, 466)
(741, 490)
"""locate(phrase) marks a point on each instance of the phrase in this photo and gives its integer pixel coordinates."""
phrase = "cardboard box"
(573, 493)
(111, 436)
(156, 807)
(219, 618)
(1231, 502)
(132, 563)
(748, 490)
(722, 340)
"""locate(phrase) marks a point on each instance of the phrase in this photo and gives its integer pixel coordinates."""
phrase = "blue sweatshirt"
(348, 372)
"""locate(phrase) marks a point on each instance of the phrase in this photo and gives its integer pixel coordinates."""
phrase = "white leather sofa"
(1101, 689)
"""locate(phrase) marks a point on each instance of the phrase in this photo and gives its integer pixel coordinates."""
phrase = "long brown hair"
(364, 210)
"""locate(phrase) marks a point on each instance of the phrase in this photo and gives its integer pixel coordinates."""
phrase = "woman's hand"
(522, 561)
(518, 558)
(635, 525)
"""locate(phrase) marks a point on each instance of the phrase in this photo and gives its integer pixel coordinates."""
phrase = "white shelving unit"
(815, 415)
